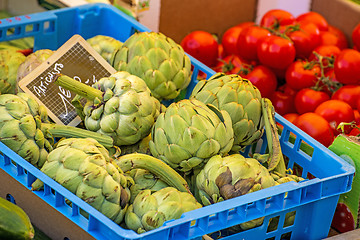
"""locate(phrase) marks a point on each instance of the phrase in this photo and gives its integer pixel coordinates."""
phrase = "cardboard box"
(178, 18)
(20, 7)
(295, 7)
(343, 14)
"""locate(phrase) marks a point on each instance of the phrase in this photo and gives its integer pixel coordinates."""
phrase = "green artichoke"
(120, 106)
(9, 64)
(144, 179)
(157, 59)
(25, 138)
(150, 173)
(84, 167)
(227, 177)
(20, 128)
(141, 146)
(231, 176)
(150, 210)
(188, 133)
(35, 108)
(106, 46)
(32, 61)
(26, 129)
(12, 107)
(241, 99)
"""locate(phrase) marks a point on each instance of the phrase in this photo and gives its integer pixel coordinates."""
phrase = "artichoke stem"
(276, 158)
(77, 87)
(58, 130)
(155, 166)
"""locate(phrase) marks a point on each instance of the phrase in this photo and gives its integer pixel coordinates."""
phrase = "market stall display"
(248, 175)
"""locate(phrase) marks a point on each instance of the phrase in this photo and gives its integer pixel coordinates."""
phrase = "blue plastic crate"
(313, 200)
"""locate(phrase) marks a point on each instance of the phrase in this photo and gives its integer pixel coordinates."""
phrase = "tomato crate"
(312, 201)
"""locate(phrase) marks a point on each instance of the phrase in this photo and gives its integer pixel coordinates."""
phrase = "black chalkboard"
(76, 59)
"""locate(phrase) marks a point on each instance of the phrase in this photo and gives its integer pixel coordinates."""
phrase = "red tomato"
(342, 40)
(355, 131)
(330, 38)
(307, 100)
(264, 79)
(291, 117)
(302, 74)
(358, 104)
(335, 112)
(202, 46)
(329, 83)
(355, 36)
(230, 38)
(343, 220)
(275, 18)
(316, 126)
(279, 73)
(315, 18)
(347, 67)
(349, 94)
(283, 102)
(248, 41)
(357, 116)
(306, 37)
(327, 52)
(276, 52)
(231, 64)
(285, 88)
(221, 51)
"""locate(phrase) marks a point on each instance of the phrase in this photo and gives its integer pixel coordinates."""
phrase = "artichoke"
(151, 210)
(231, 176)
(157, 59)
(9, 64)
(35, 108)
(106, 46)
(120, 106)
(141, 146)
(20, 128)
(234, 175)
(84, 167)
(144, 179)
(241, 99)
(150, 173)
(26, 129)
(227, 177)
(24, 137)
(188, 133)
(32, 61)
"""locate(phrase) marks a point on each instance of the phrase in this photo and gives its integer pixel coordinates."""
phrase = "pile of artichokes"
(137, 158)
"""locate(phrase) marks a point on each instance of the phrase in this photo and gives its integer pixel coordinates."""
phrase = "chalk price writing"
(45, 81)
(64, 94)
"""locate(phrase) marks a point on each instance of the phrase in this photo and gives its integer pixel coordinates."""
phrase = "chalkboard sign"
(76, 59)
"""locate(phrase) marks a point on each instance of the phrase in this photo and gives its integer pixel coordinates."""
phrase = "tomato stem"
(325, 63)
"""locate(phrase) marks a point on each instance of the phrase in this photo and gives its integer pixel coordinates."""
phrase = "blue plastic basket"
(313, 200)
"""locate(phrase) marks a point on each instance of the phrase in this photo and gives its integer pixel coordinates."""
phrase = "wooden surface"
(352, 235)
